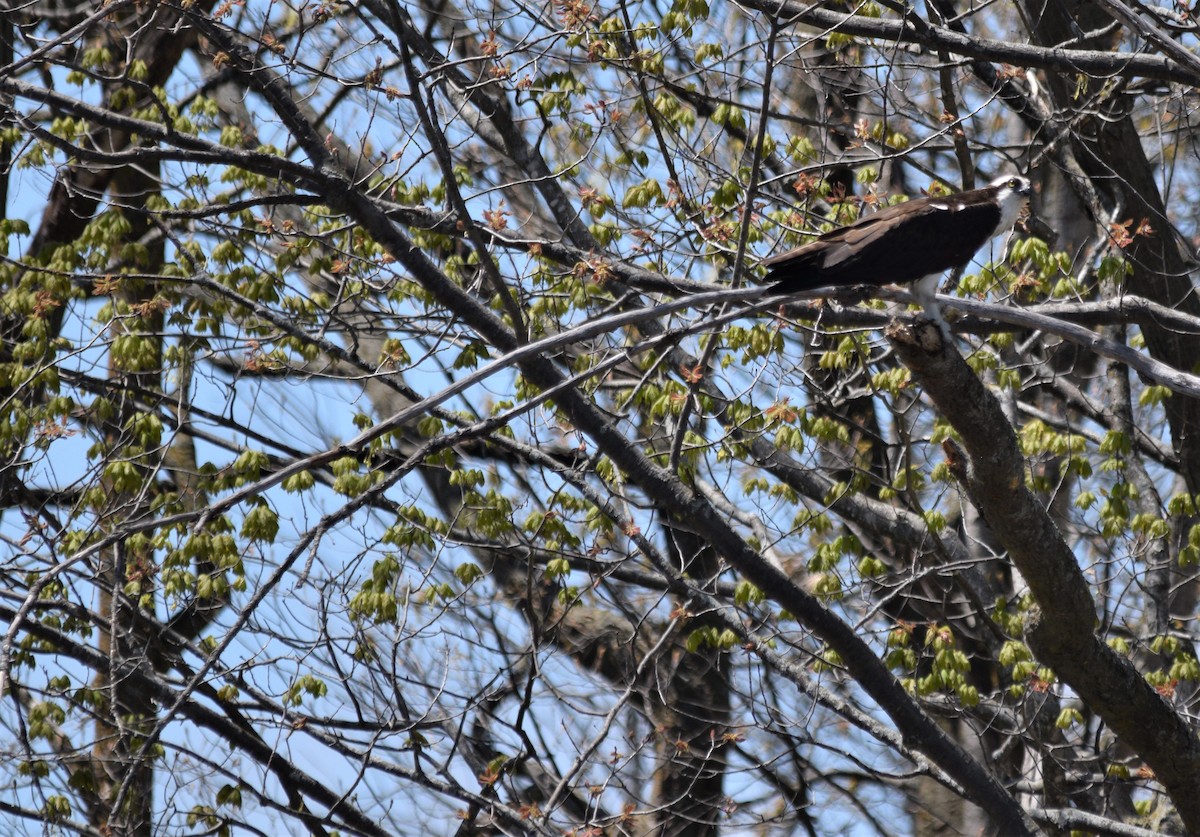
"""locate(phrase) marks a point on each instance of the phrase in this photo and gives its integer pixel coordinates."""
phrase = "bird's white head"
(1012, 192)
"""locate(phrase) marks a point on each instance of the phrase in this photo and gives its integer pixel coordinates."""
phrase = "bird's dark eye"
(1012, 183)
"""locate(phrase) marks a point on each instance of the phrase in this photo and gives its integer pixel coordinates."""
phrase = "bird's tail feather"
(784, 283)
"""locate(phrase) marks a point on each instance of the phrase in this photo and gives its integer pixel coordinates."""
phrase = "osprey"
(915, 242)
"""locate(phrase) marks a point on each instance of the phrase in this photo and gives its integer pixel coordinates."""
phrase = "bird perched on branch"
(915, 242)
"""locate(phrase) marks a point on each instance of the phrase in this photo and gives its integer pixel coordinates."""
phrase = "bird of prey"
(915, 242)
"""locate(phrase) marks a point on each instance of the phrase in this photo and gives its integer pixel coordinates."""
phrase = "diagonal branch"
(1061, 631)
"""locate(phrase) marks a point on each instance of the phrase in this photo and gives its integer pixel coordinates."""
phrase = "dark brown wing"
(899, 244)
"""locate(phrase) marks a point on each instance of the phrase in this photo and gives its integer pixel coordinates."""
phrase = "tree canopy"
(395, 437)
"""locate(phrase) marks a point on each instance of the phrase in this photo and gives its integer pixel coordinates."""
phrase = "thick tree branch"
(1062, 629)
(1098, 62)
